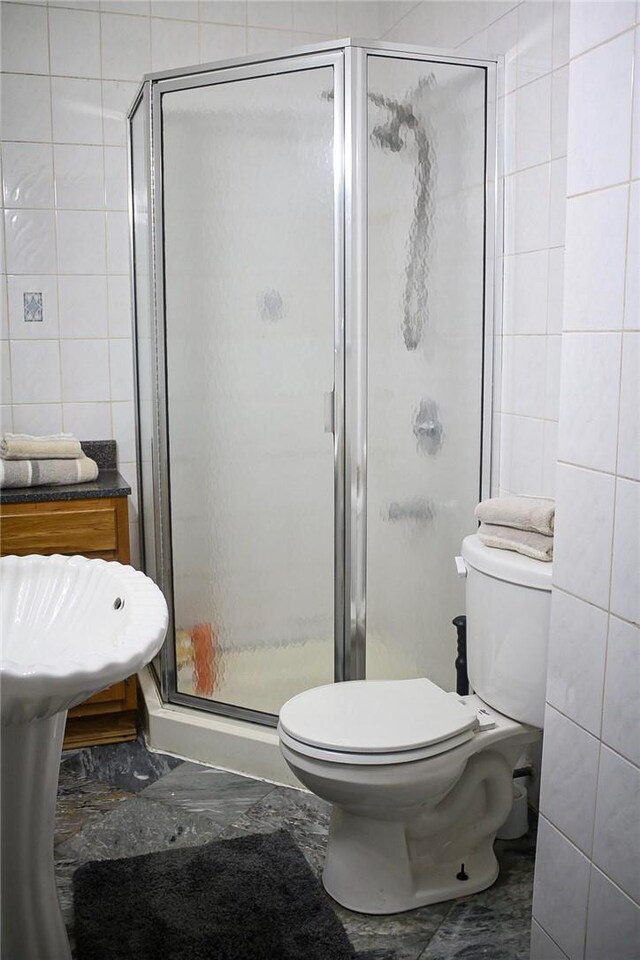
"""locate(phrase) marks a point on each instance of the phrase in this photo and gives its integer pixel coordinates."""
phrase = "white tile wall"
(593, 686)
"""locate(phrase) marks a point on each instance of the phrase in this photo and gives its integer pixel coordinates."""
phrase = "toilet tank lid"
(506, 564)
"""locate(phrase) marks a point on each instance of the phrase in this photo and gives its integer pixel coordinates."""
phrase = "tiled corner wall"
(69, 73)
(533, 38)
(587, 889)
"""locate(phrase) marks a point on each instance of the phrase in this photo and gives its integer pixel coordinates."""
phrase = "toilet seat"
(376, 721)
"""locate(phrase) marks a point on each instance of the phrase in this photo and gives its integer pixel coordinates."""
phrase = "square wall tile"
(616, 839)
(558, 202)
(613, 925)
(74, 37)
(5, 373)
(118, 260)
(25, 47)
(85, 370)
(38, 419)
(521, 445)
(621, 714)
(140, 8)
(635, 128)
(569, 778)
(174, 43)
(35, 371)
(552, 377)
(83, 307)
(561, 16)
(632, 294)
(601, 88)
(79, 177)
(223, 11)
(629, 430)
(220, 42)
(577, 652)
(525, 292)
(595, 22)
(119, 292)
(30, 241)
(261, 40)
(590, 384)
(533, 123)
(535, 40)
(594, 271)
(625, 576)
(77, 110)
(121, 369)
(524, 381)
(559, 112)
(6, 418)
(26, 107)
(583, 533)
(24, 325)
(117, 97)
(178, 9)
(561, 889)
(123, 417)
(527, 210)
(542, 946)
(115, 177)
(81, 242)
(555, 302)
(549, 458)
(126, 47)
(322, 17)
(88, 421)
(274, 14)
(27, 172)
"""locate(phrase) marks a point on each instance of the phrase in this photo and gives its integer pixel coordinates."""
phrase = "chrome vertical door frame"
(353, 664)
(210, 77)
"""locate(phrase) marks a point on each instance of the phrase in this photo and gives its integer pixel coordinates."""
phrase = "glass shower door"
(427, 144)
(249, 214)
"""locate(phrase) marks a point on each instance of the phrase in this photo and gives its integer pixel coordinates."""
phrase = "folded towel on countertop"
(36, 473)
(57, 446)
(522, 513)
(538, 546)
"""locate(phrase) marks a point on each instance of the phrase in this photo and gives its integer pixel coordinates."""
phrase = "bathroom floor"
(122, 800)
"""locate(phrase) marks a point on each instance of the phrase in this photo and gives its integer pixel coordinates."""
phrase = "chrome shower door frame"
(349, 59)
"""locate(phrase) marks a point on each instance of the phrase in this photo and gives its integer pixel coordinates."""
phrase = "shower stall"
(314, 250)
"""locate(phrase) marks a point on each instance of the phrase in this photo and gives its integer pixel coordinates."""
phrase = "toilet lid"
(376, 716)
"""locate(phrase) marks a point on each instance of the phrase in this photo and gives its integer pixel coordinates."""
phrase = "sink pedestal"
(32, 924)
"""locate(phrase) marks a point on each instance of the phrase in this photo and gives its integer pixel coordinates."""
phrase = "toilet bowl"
(420, 780)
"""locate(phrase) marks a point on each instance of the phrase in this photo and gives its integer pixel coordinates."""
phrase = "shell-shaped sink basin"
(71, 627)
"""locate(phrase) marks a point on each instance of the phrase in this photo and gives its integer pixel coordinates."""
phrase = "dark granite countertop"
(109, 482)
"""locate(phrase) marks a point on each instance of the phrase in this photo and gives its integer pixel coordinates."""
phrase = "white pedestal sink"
(70, 627)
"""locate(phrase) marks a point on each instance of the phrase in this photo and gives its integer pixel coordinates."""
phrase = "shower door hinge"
(329, 412)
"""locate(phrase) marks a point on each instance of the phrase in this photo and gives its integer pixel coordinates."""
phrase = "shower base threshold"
(192, 734)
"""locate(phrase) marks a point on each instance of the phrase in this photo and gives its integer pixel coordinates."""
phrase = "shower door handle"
(329, 412)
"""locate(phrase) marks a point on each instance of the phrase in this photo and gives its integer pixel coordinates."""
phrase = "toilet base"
(370, 869)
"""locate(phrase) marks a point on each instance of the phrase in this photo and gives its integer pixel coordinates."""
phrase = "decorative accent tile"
(32, 307)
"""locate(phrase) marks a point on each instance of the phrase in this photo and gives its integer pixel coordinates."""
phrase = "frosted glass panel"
(425, 331)
(249, 286)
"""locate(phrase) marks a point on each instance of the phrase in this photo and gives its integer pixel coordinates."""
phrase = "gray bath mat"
(251, 898)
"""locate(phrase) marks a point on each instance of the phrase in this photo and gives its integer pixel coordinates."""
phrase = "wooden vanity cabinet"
(97, 527)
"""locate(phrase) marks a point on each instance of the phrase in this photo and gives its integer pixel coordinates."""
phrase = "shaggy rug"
(250, 898)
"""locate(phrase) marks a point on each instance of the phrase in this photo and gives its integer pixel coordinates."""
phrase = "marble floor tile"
(305, 816)
(82, 800)
(217, 794)
(129, 766)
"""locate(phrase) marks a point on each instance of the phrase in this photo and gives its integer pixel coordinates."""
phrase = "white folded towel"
(56, 446)
(538, 546)
(522, 513)
(38, 473)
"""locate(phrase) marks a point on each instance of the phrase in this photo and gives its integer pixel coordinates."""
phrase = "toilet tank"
(508, 604)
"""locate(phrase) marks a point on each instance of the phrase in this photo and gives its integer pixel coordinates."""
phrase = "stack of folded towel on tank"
(27, 461)
(523, 524)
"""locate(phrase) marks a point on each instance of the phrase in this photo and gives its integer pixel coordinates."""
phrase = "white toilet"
(421, 780)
